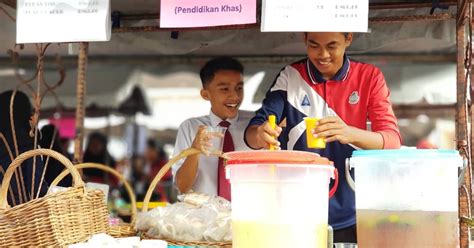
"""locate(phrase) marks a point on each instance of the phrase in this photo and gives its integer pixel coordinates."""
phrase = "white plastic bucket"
(279, 198)
(406, 198)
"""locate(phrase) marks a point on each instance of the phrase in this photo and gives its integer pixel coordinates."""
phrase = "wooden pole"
(80, 98)
(462, 125)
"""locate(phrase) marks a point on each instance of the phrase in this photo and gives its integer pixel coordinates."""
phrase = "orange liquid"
(248, 234)
(378, 228)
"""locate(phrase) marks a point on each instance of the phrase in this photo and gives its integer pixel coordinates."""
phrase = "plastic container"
(279, 198)
(406, 198)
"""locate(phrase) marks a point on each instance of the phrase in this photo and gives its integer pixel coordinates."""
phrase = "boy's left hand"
(334, 128)
(202, 140)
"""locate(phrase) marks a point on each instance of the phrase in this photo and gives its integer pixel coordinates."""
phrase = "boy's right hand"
(266, 135)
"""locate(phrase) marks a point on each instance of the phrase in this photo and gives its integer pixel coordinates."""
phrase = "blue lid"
(406, 153)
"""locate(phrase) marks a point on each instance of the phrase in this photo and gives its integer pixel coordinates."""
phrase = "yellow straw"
(272, 121)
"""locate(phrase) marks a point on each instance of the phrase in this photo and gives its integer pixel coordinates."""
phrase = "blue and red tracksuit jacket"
(358, 94)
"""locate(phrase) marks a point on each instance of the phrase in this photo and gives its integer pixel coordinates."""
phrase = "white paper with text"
(41, 21)
(315, 15)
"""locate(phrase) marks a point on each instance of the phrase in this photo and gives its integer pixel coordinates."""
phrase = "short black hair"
(151, 143)
(217, 64)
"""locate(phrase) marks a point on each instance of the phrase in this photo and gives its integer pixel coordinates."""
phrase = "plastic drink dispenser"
(279, 198)
(406, 198)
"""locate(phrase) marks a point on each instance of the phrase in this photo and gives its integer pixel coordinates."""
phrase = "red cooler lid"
(275, 157)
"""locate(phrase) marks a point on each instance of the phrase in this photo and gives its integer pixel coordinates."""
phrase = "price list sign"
(315, 16)
(41, 21)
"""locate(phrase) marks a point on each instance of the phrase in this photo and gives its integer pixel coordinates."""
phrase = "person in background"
(223, 86)
(342, 92)
(96, 152)
(50, 140)
(16, 104)
(65, 142)
(139, 181)
(155, 158)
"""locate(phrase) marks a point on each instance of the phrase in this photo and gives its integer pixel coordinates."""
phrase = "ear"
(349, 39)
(205, 94)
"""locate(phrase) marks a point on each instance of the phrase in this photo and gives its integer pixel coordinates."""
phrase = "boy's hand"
(202, 140)
(334, 128)
(266, 135)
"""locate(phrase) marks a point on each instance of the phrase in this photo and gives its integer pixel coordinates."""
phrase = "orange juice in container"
(284, 207)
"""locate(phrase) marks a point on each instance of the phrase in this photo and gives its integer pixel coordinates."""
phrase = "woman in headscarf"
(25, 184)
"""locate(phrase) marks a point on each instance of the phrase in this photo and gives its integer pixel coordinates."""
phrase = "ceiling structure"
(385, 36)
(156, 60)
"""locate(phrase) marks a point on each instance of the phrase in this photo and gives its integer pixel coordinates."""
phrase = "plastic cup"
(311, 141)
(216, 139)
(345, 245)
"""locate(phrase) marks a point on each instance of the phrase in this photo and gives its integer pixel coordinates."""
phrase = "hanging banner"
(205, 13)
(42, 21)
(315, 16)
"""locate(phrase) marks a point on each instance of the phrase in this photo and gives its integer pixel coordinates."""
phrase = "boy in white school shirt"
(223, 86)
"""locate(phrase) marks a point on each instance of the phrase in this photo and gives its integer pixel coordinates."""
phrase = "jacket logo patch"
(354, 97)
(305, 101)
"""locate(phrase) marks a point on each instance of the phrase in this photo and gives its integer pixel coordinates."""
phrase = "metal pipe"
(71, 62)
(372, 20)
(380, 6)
(410, 18)
(145, 29)
(446, 111)
(144, 16)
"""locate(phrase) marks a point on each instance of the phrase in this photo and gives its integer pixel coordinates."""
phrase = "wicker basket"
(156, 180)
(57, 219)
(124, 229)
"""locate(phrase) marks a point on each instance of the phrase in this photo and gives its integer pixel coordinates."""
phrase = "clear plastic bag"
(198, 218)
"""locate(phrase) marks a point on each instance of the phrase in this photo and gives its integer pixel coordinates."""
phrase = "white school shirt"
(206, 179)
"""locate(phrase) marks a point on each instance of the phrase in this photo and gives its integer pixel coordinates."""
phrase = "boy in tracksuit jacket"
(345, 94)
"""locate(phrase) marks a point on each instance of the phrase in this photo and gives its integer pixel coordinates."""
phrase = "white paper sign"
(315, 15)
(41, 21)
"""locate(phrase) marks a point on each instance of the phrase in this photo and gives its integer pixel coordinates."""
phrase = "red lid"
(275, 157)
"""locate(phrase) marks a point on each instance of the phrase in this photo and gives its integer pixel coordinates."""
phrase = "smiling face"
(225, 91)
(326, 51)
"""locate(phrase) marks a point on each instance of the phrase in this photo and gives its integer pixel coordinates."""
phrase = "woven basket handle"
(110, 170)
(162, 172)
(31, 153)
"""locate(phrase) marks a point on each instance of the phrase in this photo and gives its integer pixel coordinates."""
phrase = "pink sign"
(66, 127)
(205, 13)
